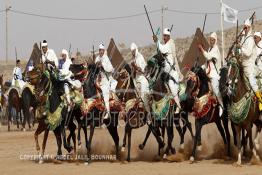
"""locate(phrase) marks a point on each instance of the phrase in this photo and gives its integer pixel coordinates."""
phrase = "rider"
(247, 51)
(17, 76)
(258, 50)
(171, 64)
(49, 55)
(107, 83)
(213, 65)
(139, 65)
(66, 74)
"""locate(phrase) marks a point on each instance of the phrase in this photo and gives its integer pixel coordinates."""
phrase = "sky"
(25, 30)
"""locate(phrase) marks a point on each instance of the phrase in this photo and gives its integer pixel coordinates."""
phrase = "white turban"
(64, 51)
(44, 43)
(213, 35)
(133, 47)
(248, 22)
(166, 31)
(258, 34)
(101, 46)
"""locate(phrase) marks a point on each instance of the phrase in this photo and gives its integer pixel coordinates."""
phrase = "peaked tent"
(117, 59)
(35, 56)
(193, 53)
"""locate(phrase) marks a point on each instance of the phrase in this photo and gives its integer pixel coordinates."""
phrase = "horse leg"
(225, 124)
(141, 146)
(188, 125)
(41, 160)
(251, 144)
(157, 135)
(58, 136)
(72, 128)
(92, 128)
(256, 141)
(40, 128)
(129, 133)
(234, 133)
(244, 143)
(124, 139)
(114, 133)
(199, 126)
(79, 134)
(221, 131)
(9, 117)
(179, 130)
(17, 119)
(239, 145)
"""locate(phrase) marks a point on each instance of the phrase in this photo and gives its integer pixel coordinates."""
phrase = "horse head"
(89, 87)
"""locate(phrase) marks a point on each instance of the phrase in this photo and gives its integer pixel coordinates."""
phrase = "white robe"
(107, 81)
(258, 51)
(51, 56)
(248, 55)
(212, 69)
(168, 49)
(17, 80)
(140, 79)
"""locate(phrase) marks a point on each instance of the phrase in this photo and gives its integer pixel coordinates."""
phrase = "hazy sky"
(26, 30)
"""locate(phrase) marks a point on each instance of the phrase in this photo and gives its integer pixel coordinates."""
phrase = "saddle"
(88, 104)
(203, 105)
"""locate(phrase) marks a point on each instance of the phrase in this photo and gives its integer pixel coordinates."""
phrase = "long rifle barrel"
(149, 20)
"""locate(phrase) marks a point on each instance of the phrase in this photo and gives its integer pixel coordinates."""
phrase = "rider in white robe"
(107, 83)
(171, 66)
(213, 65)
(17, 80)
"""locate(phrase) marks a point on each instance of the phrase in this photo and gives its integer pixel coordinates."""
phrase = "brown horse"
(243, 108)
(2, 97)
(14, 107)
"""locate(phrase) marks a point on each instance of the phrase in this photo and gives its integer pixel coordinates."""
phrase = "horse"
(243, 107)
(48, 94)
(183, 116)
(14, 107)
(135, 114)
(161, 94)
(2, 97)
(94, 116)
(203, 104)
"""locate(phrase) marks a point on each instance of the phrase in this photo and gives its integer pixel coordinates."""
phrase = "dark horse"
(49, 91)
(94, 117)
(243, 109)
(135, 115)
(182, 116)
(198, 87)
(164, 119)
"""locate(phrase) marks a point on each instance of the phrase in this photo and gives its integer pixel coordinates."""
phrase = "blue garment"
(60, 64)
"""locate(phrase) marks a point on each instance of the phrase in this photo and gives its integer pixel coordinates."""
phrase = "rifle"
(69, 51)
(149, 20)
(238, 37)
(93, 52)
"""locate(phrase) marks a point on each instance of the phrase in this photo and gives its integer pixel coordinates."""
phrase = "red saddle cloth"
(203, 105)
(89, 104)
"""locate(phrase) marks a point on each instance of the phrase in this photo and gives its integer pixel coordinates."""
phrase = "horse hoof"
(86, 163)
(141, 146)
(164, 156)
(24, 130)
(192, 159)
(182, 146)
(199, 148)
(123, 149)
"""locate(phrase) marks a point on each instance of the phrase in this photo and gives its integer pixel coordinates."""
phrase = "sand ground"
(16, 145)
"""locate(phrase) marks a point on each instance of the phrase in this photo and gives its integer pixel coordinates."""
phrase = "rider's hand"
(155, 38)
(200, 47)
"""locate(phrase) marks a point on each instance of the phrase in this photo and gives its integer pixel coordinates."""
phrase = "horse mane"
(204, 79)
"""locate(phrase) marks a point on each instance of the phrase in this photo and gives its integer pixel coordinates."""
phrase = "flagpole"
(222, 33)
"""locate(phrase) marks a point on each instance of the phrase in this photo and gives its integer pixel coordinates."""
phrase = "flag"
(230, 14)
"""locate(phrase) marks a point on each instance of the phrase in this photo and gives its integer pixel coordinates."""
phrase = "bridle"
(231, 83)
(195, 79)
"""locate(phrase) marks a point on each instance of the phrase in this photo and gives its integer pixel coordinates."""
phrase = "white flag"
(230, 14)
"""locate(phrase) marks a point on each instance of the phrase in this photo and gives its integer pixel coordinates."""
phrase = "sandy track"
(14, 145)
